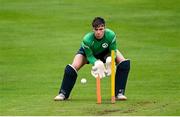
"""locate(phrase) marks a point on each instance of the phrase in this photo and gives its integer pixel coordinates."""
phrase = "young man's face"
(99, 31)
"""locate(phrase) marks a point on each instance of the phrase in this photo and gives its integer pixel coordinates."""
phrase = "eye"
(100, 29)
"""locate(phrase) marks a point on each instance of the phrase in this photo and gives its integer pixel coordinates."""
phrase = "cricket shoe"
(59, 97)
(120, 96)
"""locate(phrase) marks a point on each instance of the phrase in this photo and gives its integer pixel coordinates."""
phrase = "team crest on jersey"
(104, 45)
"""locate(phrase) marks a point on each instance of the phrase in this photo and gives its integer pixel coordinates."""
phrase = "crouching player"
(95, 49)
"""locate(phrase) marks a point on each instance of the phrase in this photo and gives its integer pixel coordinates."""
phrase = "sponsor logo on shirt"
(104, 45)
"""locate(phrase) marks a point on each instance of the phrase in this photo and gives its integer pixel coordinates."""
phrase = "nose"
(98, 31)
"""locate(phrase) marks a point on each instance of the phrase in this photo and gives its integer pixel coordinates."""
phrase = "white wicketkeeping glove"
(98, 68)
(108, 66)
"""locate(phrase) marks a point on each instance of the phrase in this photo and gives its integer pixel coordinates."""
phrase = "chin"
(99, 37)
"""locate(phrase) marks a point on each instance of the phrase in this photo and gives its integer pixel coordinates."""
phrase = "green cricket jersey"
(93, 46)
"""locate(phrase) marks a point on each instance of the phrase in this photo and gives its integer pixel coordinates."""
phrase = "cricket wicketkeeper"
(96, 50)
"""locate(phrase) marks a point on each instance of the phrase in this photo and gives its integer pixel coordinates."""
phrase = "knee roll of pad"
(70, 71)
(124, 65)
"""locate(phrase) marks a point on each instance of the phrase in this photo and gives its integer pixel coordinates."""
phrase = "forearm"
(90, 56)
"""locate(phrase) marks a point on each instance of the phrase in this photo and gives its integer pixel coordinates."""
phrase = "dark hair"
(97, 22)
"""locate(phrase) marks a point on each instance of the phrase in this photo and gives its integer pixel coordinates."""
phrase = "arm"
(119, 57)
(113, 44)
(89, 53)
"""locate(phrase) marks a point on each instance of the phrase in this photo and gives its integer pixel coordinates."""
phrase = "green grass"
(39, 38)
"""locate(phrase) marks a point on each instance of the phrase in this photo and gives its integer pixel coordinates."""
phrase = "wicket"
(98, 81)
(98, 89)
(112, 76)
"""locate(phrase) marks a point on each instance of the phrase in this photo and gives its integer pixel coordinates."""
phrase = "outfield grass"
(39, 38)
